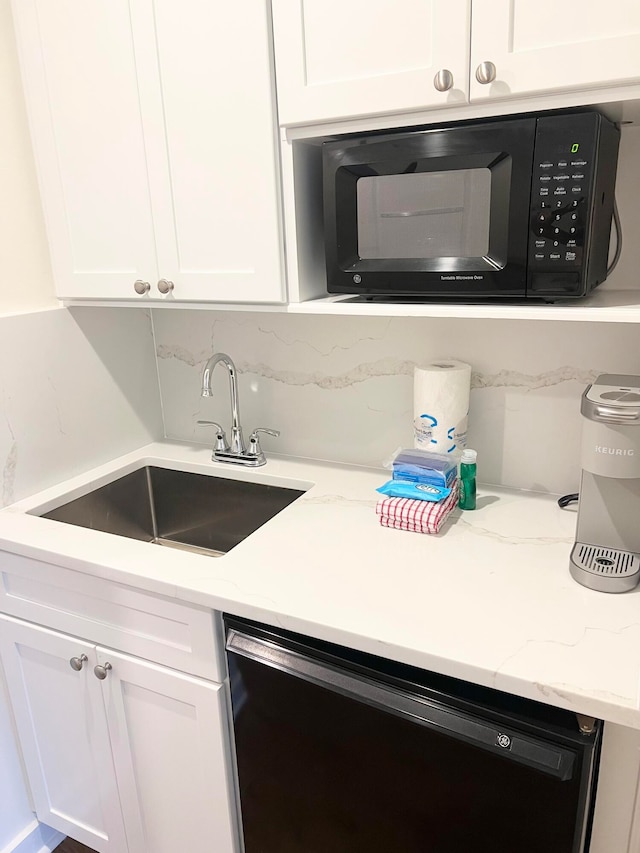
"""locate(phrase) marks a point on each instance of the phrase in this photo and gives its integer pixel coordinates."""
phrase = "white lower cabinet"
(121, 754)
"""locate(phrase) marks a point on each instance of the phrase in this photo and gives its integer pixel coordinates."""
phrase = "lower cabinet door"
(57, 702)
(169, 737)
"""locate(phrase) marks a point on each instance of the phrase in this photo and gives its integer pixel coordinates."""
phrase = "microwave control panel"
(563, 190)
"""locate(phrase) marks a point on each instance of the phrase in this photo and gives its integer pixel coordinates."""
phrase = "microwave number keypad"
(559, 215)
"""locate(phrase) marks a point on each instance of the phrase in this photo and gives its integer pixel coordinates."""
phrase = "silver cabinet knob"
(486, 73)
(101, 671)
(77, 663)
(141, 287)
(165, 286)
(443, 81)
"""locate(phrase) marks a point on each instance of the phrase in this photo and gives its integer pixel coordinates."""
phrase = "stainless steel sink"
(180, 509)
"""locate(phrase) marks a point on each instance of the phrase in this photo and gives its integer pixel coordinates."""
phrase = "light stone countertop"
(489, 599)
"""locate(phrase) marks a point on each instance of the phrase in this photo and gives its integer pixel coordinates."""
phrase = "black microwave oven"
(508, 208)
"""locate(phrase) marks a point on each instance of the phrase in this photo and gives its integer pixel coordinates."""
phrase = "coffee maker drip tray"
(604, 569)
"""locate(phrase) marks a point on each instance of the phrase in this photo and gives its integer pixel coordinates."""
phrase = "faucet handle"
(254, 435)
(254, 441)
(221, 438)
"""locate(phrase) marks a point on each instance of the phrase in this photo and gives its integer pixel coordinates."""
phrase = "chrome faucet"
(236, 452)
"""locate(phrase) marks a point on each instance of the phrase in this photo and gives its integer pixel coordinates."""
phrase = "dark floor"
(70, 846)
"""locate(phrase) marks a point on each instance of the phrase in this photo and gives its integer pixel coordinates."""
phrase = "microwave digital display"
(516, 207)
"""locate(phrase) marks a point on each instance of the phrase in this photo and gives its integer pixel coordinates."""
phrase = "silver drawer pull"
(443, 81)
(102, 671)
(486, 73)
(77, 663)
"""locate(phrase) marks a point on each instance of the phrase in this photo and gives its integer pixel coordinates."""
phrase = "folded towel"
(413, 515)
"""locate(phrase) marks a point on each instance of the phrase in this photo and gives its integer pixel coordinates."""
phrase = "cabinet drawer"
(185, 637)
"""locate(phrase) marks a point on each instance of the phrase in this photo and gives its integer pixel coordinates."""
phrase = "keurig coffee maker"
(606, 554)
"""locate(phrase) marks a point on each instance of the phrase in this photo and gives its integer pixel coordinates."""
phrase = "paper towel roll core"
(441, 405)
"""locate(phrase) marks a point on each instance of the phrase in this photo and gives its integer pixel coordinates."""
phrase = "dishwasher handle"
(547, 757)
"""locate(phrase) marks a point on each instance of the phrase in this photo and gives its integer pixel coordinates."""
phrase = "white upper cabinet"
(206, 95)
(80, 76)
(548, 46)
(342, 58)
(154, 132)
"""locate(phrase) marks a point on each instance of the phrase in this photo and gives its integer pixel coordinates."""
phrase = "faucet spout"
(235, 451)
(237, 444)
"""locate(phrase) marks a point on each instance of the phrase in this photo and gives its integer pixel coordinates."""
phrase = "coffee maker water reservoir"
(606, 554)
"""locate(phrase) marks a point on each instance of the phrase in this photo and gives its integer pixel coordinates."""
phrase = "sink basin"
(179, 509)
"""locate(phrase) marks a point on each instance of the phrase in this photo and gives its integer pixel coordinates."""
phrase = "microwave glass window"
(424, 214)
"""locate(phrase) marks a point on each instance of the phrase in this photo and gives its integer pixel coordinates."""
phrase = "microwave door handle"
(546, 757)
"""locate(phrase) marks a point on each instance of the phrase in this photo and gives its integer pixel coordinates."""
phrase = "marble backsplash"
(77, 387)
(341, 388)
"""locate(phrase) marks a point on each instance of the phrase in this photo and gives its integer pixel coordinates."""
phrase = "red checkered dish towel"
(417, 516)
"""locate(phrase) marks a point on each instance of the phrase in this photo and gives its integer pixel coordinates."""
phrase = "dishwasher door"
(342, 752)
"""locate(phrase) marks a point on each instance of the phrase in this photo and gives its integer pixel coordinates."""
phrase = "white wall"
(26, 269)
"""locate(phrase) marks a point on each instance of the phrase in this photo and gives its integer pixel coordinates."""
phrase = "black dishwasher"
(343, 752)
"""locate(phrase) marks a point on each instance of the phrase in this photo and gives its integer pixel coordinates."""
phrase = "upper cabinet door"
(207, 100)
(80, 78)
(155, 132)
(548, 46)
(343, 58)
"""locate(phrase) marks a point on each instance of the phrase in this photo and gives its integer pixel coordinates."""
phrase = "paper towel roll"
(441, 405)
